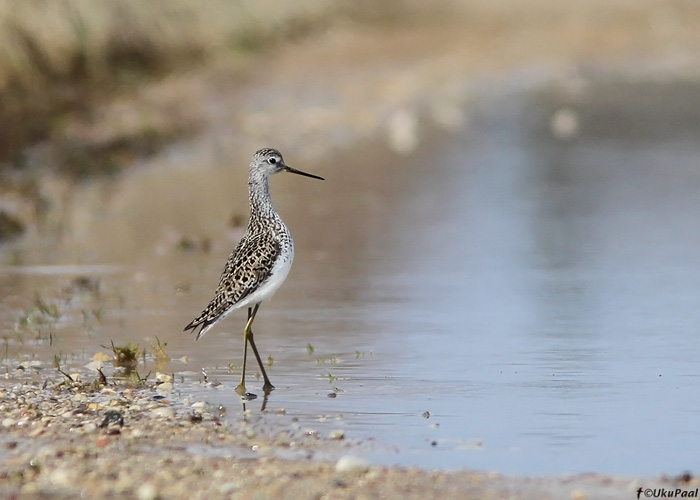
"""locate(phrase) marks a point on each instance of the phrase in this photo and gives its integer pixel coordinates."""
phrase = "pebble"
(337, 434)
(60, 477)
(36, 432)
(564, 124)
(351, 464)
(228, 488)
(165, 388)
(163, 412)
(163, 377)
(147, 491)
(403, 131)
(30, 489)
(578, 494)
(199, 405)
(8, 422)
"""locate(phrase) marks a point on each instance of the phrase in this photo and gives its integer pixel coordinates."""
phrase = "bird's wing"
(248, 267)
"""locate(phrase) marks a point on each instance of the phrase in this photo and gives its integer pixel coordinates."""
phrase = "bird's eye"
(272, 161)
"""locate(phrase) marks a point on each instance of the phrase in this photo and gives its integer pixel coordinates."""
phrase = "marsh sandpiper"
(259, 264)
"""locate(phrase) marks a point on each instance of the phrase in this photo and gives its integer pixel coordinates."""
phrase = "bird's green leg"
(240, 389)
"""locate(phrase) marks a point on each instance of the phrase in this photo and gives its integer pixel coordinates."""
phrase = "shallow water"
(537, 297)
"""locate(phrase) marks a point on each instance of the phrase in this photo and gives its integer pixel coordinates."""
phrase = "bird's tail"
(197, 323)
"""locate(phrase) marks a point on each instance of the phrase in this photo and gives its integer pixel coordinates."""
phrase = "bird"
(260, 262)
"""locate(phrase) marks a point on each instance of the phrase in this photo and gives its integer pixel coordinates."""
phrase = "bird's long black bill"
(295, 171)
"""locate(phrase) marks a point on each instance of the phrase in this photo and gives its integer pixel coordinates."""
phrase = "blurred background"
(506, 238)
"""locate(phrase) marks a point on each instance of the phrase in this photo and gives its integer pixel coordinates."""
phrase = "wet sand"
(390, 77)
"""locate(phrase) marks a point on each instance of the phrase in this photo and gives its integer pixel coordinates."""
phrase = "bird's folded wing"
(248, 267)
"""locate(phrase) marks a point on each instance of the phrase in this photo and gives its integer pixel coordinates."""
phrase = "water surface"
(537, 297)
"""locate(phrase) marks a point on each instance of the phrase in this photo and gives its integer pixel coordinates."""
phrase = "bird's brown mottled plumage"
(259, 263)
(248, 267)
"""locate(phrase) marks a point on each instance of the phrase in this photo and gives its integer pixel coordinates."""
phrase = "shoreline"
(75, 440)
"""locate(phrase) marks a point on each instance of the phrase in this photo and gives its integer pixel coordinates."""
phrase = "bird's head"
(269, 161)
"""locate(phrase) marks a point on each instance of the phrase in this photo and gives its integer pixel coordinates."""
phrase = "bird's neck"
(259, 195)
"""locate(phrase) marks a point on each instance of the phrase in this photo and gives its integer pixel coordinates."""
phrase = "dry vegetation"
(57, 57)
(89, 86)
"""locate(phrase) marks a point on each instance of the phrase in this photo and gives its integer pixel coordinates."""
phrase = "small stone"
(61, 477)
(36, 432)
(30, 489)
(403, 131)
(228, 488)
(102, 357)
(101, 442)
(147, 491)
(338, 435)
(8, 422)
(112, 417)
(564, 124)
(94, 365)
(355, 465)
(163, 412)
(165, 388)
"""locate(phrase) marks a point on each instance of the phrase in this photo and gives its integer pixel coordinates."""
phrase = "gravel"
(76, 440)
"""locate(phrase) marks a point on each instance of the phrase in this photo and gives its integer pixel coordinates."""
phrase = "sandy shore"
(74, 440)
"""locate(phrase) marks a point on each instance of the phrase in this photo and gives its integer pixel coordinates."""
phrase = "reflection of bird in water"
(259, 264)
